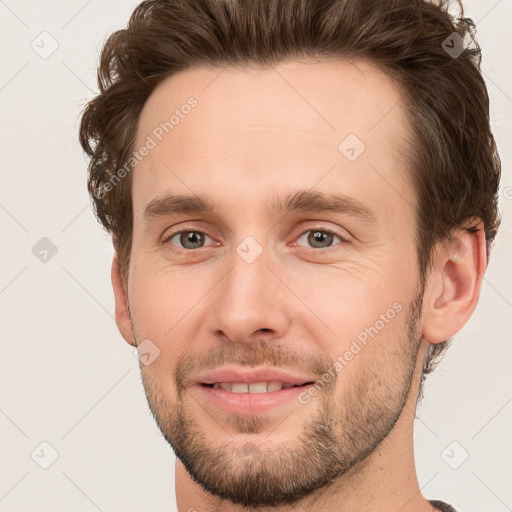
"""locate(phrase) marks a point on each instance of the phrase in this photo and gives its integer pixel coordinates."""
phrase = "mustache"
(255, 354)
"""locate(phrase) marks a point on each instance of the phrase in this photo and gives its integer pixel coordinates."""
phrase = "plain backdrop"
(68, 379)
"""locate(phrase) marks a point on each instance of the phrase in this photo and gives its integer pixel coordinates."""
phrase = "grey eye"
(190, 239)
(319, 239)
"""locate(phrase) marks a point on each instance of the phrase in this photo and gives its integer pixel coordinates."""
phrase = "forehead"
(284, 126)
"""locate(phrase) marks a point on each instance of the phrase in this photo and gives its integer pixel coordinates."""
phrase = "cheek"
(349, 304)
(373, 365)
(160, 389)
(164, 297)
(162, 314)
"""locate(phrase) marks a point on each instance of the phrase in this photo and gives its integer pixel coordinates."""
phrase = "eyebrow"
(303, 201)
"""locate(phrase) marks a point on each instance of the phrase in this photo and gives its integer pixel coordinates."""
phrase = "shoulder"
(442, 506)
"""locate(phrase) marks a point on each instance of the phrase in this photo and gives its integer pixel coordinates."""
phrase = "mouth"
(249, 399)
(249, 391)
(255, 387)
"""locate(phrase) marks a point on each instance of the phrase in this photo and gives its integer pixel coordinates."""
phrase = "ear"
(122, 314)
(454, 285)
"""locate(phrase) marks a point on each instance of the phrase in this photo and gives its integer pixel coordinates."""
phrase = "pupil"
(318, 237)
(191, 237)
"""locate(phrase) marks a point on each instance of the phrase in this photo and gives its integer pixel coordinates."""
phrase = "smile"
(256, 387)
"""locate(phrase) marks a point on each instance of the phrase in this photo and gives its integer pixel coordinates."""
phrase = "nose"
(251, 302)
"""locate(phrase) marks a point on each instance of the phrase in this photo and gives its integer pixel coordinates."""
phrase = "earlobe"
(454, 285)
(122, 312)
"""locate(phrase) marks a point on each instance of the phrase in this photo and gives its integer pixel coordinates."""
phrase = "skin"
(256, 134)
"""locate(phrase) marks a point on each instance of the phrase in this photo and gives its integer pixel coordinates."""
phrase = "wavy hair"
(453, 161)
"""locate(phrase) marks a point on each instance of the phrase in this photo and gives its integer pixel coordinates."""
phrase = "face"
(300, 268)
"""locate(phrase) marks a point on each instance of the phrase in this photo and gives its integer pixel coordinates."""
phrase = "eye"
(320, 238)
(188, 239)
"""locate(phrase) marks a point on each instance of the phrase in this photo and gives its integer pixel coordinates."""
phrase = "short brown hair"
(454, 165)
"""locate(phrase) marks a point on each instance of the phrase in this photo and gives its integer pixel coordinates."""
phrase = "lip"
(251, 403)
(248, 404)
(250, 376)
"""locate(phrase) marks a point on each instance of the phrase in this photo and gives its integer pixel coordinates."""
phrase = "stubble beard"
(249, 470)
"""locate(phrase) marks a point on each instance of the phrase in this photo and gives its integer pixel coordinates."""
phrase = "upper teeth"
(256, 387)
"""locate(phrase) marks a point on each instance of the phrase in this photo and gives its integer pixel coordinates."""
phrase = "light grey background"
(67, 377)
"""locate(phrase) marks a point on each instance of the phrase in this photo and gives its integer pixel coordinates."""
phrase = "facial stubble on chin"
(338, 437)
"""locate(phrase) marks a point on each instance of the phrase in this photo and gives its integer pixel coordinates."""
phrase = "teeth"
(256, 387)
(275, 385)
(240, 388)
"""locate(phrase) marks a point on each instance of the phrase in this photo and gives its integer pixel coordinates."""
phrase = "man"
(302, 197)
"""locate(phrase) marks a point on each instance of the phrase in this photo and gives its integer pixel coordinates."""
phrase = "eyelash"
(191, 229)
